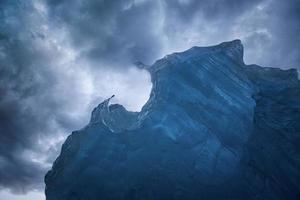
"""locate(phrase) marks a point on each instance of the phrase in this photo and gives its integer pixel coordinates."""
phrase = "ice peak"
(115, 117)
(234, 49)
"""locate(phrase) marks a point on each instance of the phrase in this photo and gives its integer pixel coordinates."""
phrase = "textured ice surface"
(213, 128)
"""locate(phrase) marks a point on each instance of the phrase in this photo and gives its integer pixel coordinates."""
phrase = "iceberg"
(213, 128)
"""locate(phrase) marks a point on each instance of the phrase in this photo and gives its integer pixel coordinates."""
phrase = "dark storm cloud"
(16, 84)
(273, 32)
(49, 49)
(112, 32)
(29, 108)
(211, 10)
(134, 30)
(269, 29)
(115, 32)
(285, 30)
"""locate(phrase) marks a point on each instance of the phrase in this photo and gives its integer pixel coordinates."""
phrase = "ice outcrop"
(115, 117)
(213, 128)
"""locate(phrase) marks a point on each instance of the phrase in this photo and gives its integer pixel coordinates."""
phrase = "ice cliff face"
(213, 128)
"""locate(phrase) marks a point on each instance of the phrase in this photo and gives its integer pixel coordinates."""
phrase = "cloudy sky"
(60, 58)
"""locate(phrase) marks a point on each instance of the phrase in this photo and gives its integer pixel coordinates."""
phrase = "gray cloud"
(26, 107)
(58, 59)
(48, 88)
(111, 32)
(271, 32)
